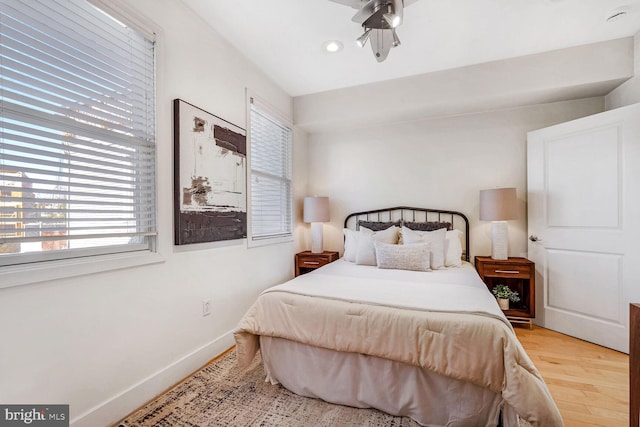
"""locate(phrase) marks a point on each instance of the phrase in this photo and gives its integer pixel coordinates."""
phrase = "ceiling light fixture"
(396, 40)
(332, 46)
(362, 40)
(379, 18)
(392, 18)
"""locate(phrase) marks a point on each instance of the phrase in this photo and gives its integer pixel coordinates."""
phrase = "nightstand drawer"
(502, 270)
(313, 262)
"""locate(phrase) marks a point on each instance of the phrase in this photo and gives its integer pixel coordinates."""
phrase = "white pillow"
(453, 248)
(350, 245)
(436, 238)
(415, 257)
(366, 254)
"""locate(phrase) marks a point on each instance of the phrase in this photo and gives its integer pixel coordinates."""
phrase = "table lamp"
(499, 205)
(316, 211)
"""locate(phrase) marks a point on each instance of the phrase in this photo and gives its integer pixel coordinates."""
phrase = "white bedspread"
(445, 321)
(451, 290)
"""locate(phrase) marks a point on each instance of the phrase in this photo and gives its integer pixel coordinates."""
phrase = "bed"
(396, 334)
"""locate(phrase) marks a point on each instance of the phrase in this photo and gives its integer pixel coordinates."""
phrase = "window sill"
(25, 274)
(251, 243)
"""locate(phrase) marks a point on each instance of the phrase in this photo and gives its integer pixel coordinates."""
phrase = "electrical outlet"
(206, 307)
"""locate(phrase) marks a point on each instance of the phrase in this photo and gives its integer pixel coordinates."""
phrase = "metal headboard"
(410, 214)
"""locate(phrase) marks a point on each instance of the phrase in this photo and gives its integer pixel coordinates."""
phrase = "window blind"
(77, 132)
(271, 193)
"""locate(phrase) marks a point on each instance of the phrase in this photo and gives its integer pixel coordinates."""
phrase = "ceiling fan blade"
(365, 11)
(359, 4)
(356, 4)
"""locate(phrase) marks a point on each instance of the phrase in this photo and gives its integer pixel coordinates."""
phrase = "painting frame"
(210, 176)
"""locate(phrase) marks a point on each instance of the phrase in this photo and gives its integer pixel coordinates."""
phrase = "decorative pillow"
(453, 248)
(403, 257)
(428, 226)
(350, 245)
(365, 254)
(378, 226)
(436, 238)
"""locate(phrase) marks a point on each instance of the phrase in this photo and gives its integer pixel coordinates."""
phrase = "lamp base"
(316, 238)
(499, 240)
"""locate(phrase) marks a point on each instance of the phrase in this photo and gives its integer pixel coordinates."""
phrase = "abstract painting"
(210, 166)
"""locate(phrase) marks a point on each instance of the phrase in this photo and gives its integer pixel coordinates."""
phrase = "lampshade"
(316, 209)
(498, 204)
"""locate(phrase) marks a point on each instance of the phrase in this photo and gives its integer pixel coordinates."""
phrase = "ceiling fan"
(379, 19)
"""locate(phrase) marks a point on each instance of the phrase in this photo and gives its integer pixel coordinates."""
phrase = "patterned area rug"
(221, 395)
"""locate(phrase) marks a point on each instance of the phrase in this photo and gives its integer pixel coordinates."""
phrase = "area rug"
(221, 395)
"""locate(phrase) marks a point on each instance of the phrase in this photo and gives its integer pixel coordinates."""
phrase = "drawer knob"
(508, 271)
(311, 262)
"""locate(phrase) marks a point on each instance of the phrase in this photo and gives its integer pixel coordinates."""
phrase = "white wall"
(436, 163)
(105, 343)
(629, 92)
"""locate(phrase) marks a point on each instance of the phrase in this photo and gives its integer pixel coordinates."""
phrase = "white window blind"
(77, 124)
(271, 193)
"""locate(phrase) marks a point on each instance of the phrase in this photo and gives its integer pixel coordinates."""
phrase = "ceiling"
(284, 37)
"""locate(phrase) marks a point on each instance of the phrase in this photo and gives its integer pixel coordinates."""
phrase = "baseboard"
(110, 411)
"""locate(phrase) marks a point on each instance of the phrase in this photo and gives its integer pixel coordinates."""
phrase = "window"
(77, 133)
(270, 157)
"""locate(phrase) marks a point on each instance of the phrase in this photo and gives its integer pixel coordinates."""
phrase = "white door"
(584, 209)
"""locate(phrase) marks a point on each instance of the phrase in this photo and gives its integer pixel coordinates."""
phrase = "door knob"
(534, 238)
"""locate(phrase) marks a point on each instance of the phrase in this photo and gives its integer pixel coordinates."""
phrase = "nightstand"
(519, 274)
(307, 261)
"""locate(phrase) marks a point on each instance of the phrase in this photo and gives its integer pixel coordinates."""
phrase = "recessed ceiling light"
(618, 13)
(332, 46)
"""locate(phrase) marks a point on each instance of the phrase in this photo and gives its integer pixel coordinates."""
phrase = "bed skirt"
(396, 388)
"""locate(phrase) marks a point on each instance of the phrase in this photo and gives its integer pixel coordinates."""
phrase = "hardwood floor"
(589, 383)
